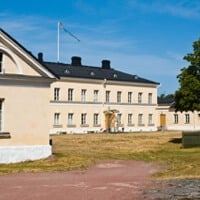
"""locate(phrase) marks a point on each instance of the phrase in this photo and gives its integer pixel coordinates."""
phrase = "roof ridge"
(85, 71)
(26, 51)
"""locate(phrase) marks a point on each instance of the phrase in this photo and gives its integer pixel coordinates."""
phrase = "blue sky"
(148, 38)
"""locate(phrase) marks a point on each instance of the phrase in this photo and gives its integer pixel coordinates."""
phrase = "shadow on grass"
(176, 140)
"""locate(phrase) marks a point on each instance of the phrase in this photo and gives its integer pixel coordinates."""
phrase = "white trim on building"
(14, 154)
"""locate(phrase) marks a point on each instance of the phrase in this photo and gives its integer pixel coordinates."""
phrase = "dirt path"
(116, 180)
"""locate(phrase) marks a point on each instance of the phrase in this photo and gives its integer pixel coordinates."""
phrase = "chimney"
(105, 64)
(76, 61)
(40, 57)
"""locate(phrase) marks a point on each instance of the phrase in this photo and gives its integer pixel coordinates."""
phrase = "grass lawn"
(80, 151)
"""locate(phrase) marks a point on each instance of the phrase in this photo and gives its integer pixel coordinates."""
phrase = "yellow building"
(39, 97)
(168, 119)
(24, 103)
(95, 99)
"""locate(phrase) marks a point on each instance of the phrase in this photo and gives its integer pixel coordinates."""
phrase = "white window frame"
(70, 119)
(56, 94)
(150, 119)
(175, 118)
(96, 119)
(140, 119)
(129, 97)
(83, 118)
(107, 96)
(187, 118)
(56, 119)
(119, 119)
(130, 118)
(150, 98)
(70, 94)
(140, 98)
(119, 96)
(83, 95)
(96, 95)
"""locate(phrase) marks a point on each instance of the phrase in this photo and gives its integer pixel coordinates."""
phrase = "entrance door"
(109, 121)
(162, 120)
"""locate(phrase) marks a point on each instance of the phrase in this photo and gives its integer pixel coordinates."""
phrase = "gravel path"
(180, 189)
(109, 180)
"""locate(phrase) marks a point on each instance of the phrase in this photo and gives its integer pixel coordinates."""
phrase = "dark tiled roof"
(90, 72)
(166, 101)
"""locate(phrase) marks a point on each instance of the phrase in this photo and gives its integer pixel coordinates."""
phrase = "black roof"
(91, 72)
(166, 101)
(83, 71)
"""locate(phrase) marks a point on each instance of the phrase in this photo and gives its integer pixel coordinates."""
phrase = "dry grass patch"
(80, 151)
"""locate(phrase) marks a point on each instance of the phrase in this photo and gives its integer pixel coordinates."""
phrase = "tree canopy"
(187, 97)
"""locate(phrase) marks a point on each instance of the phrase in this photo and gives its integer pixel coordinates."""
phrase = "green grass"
(72, 152)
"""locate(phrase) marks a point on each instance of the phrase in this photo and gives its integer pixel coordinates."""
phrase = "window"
(1, 62)
(0, 115)
(140, 97)
(83, 95)
(92, 73)
(96, 119)
(107, 96)
(140, 116)
(130, 119)
(114, 75)
(67, 71)
(119, 119)
(56, 94)
(83, 119)
(150, 119)
(129, 97)
(175, 118)
(70, 119)
(70, 94)
(119, 97)
(187, 118)
(96, 94)
(150, 98)
(56, 118)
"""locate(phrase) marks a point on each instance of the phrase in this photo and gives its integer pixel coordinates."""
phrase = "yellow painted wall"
(63, 107)
(25, 113)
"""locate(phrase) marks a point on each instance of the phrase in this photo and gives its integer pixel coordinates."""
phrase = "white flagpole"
(58, 43)
(60, 26)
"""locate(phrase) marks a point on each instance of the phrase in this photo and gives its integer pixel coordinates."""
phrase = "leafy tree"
(187, 97)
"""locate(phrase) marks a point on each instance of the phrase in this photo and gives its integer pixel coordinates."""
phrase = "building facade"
(169, 119)
(24, 103)
(39, 97)
(95, 99)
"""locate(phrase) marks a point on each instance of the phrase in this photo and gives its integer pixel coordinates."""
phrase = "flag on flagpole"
(68, 32)
(61, 27)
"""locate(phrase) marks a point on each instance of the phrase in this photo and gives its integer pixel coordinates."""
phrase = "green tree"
(187, 97)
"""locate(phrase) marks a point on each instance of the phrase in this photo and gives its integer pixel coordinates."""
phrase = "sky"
(148, 38)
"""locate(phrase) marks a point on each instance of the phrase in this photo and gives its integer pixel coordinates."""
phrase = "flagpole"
(58, 43)
(60, 26)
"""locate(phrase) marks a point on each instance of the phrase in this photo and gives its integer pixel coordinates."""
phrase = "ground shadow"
(176, 140)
